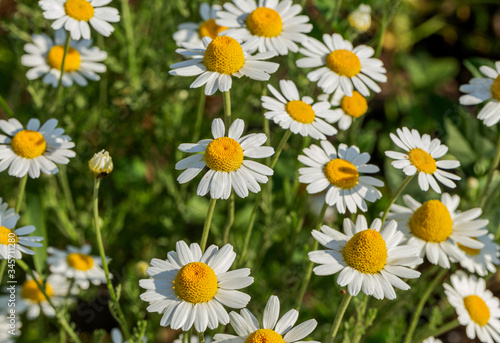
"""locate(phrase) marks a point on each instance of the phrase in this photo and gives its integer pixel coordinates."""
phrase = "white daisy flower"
(349, 107)
(5, 210)
(301, 116)
(435, 226)
(368, 259)
(75, 16)
(421, 158)
(34, 150)
(338, 172)
(341, 65)
(360, 18)
(9, 329)
(249, 330)
(272, 25)
(480, 261)
(432, 340)
(117, 337)
(224, 157)
(484, 89)
(476, 307)
(19, 237)
(101, 164)
(191, 288)
(44, 57)
(77, 264)
(194, 32)
(220, 59)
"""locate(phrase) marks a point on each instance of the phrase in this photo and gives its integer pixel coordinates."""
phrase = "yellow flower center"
(366, 252)
(224, 154)
(264, 22)
(28, 144)
(196, 283)
(344, 63)
(264, 336)
(224, 55)
(80, 261)
(31, 291)
(341, 173)
(469, 251)
(55, 57)
(478, 310)
(300, 111)
(432, 222)
(422, 160)
(495, 89)
(354, 105)
(210, 29)
(4, 236)
(79, 9)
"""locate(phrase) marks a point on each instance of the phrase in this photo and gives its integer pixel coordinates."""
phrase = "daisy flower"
(101, 164)
(190, 287)
(338, 172)
(360, 18)
(435, 226)
(224, 157)
(341, 65)
(369, 259)
(77, 264)
(432, 340)
(249, 330)
(476, 307)
(19, 238)
(349, 107)
(4, 208)
(301, 116)
(44, 56)
(480, 261)
(421, 157)
(484, 89)
(75, 16)
(218, 60)
(34, 150)
(273, 25)
(194, 32)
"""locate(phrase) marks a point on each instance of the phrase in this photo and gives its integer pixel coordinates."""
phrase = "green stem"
(20, 195)
(438, 332)
(66, 48)
(199, 114)
(494, 166)
(360, 322)
(336, 11)
(230, 219)
(396, 196)
(227, 109)
(208, 222)
(129, 33)
(201, 337)
(280, 147)
(63, 178)
(3, 265)
(421, 303)
(383, 26)
(338, 318)
(6, 107)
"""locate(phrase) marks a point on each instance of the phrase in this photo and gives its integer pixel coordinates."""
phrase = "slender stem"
(6, 107)
(20, 195)
(227, 109)
(185, 337)
(280, 147)
(129, 33)
(208, 222)
(438, 332)
(230, 219)
(201, 337)
(66, 48)
(338, 318)
(360, 322)
(396, 196)
(63, 178)
(383, 26)
(3, 265)
(336, 11)
(420, 306)
(494, 166)
(199, 114)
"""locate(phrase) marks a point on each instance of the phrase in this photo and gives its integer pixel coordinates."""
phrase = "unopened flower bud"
(101, 165)
(361, 19)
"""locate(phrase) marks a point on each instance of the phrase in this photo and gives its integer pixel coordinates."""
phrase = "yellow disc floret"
(224, 154)
(344, 63)
(196, 283)
(469, 251)
(422, 160)
(355, 105)
(264, 22)
(7, 236)
(79, 9)
(210, 29)
(224, 55)
(264, 336)
(300, 111)
(80, 261)
(366, 252)
(71, 63)
(495, 89)
(28, 144)
(30, 291)
(478, 310)
(341, 173)
(432, 222)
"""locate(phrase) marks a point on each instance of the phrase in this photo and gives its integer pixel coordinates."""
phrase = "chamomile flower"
(78, 264)
(480, 261)
(15, 242)
(349, 107)
(225, 158)
(101, 164)
(44, 56)
(484, 89)
(249, 330)
(369, 259)
(301, 116)
(34, 150)
(476, 307)
(338, 172)
(435, 226)
(218, 60)
(421, 158)
(194, 32)
(360, 18)
(5, 210)
(342, 66)
(432, 340)
(75, 16)
(269, 26)
(191, 288)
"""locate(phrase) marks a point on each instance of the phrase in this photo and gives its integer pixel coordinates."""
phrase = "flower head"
(349, 107)
(101, 164)
(14, 242)
(480, 261)
(360, 18)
